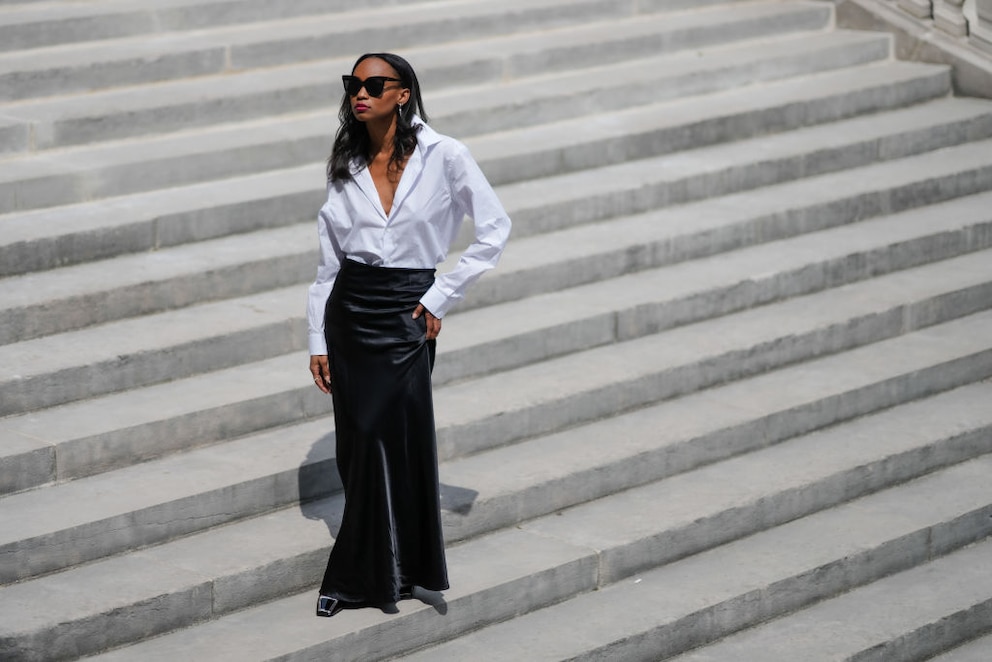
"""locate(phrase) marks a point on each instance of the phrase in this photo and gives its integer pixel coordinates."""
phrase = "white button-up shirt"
(440, 185)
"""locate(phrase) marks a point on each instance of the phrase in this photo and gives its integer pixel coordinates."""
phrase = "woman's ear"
(404, 96)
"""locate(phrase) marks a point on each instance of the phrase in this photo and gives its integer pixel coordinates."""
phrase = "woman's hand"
(321, 372)
(433, 323)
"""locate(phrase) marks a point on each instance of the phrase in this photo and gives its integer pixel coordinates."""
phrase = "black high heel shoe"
(406, 592)
(328, 606)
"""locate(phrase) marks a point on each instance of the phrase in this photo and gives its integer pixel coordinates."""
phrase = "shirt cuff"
(318, 344)
(436, 302)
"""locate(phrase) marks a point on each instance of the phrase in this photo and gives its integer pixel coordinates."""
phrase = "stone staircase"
(727, 397)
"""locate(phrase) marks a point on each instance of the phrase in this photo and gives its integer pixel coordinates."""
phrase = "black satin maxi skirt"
(380, 363)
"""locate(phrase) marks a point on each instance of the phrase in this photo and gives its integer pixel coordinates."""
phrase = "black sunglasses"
(374, 85)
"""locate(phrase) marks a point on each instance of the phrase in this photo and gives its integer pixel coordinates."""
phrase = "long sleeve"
(327, 270)
(475, 197)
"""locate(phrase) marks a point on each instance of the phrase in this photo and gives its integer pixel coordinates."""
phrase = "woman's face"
(367, 108)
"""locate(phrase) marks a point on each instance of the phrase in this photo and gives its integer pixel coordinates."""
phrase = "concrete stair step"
(143, 504)
(504, 336)
(78, 439)
(109, 63)
(571, 199)
(151, 349)
(977, 650)
(711, 113)
(112, 63)
(67, 235)
(39, 304)
(114, 431)
(540, 398)
(665, 611)
(599, 251)
(35, 305)
(188, 341)
(27, 25)
(280, 142)
(47, 238)
(549, 474)
(488, 591)
(906, 617)
(29, 126)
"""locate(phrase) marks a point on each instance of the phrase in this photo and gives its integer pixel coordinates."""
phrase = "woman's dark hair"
(352, 139)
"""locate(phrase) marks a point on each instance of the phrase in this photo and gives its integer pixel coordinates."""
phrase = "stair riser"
(161, 231)
(501, 286)
(71, 187)
(49, 317)
(557, 216)
(581, 54)
(162, 614)
(328, 40)
(201, 602)
(58, 31)
(150, 526)
(163, 522)
(462, 615)
(737, 613)
(732, 126)
(432, 31)
(651, 318)
(537, 220)
(14, 139)
(772, 119)
(87, 456)
(182, 227)
(581, 487)
(17, 324)
(546, 417)
(196, 224)
(35, 393)
(308, 148)
(138, 70)
(934, 638)
(229, 593)
(840, 488)
(132, 371)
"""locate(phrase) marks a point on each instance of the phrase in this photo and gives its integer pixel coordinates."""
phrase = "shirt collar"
(426, 139)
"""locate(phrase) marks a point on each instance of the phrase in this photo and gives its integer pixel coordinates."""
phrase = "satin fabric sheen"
(380, 363)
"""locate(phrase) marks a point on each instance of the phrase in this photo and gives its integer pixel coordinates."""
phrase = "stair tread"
(673, 168)
(663, 594)
(977, 650)
(303, 528)
(144, 272)
(275, 30)
(120, 18)
(300, 531)
(596, 380)
(870, 617)
(732, 371)
(659, 599)
(84, 426)
(142, 217)
(76, 67)
(317, 124)
(198, 324)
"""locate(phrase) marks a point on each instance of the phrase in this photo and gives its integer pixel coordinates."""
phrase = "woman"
(397, 194)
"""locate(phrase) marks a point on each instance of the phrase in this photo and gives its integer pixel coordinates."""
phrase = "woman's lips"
(360, 107)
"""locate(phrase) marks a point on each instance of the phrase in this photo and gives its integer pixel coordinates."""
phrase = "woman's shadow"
(321, 498)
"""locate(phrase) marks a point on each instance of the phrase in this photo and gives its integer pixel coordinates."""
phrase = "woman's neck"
(381, 137)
